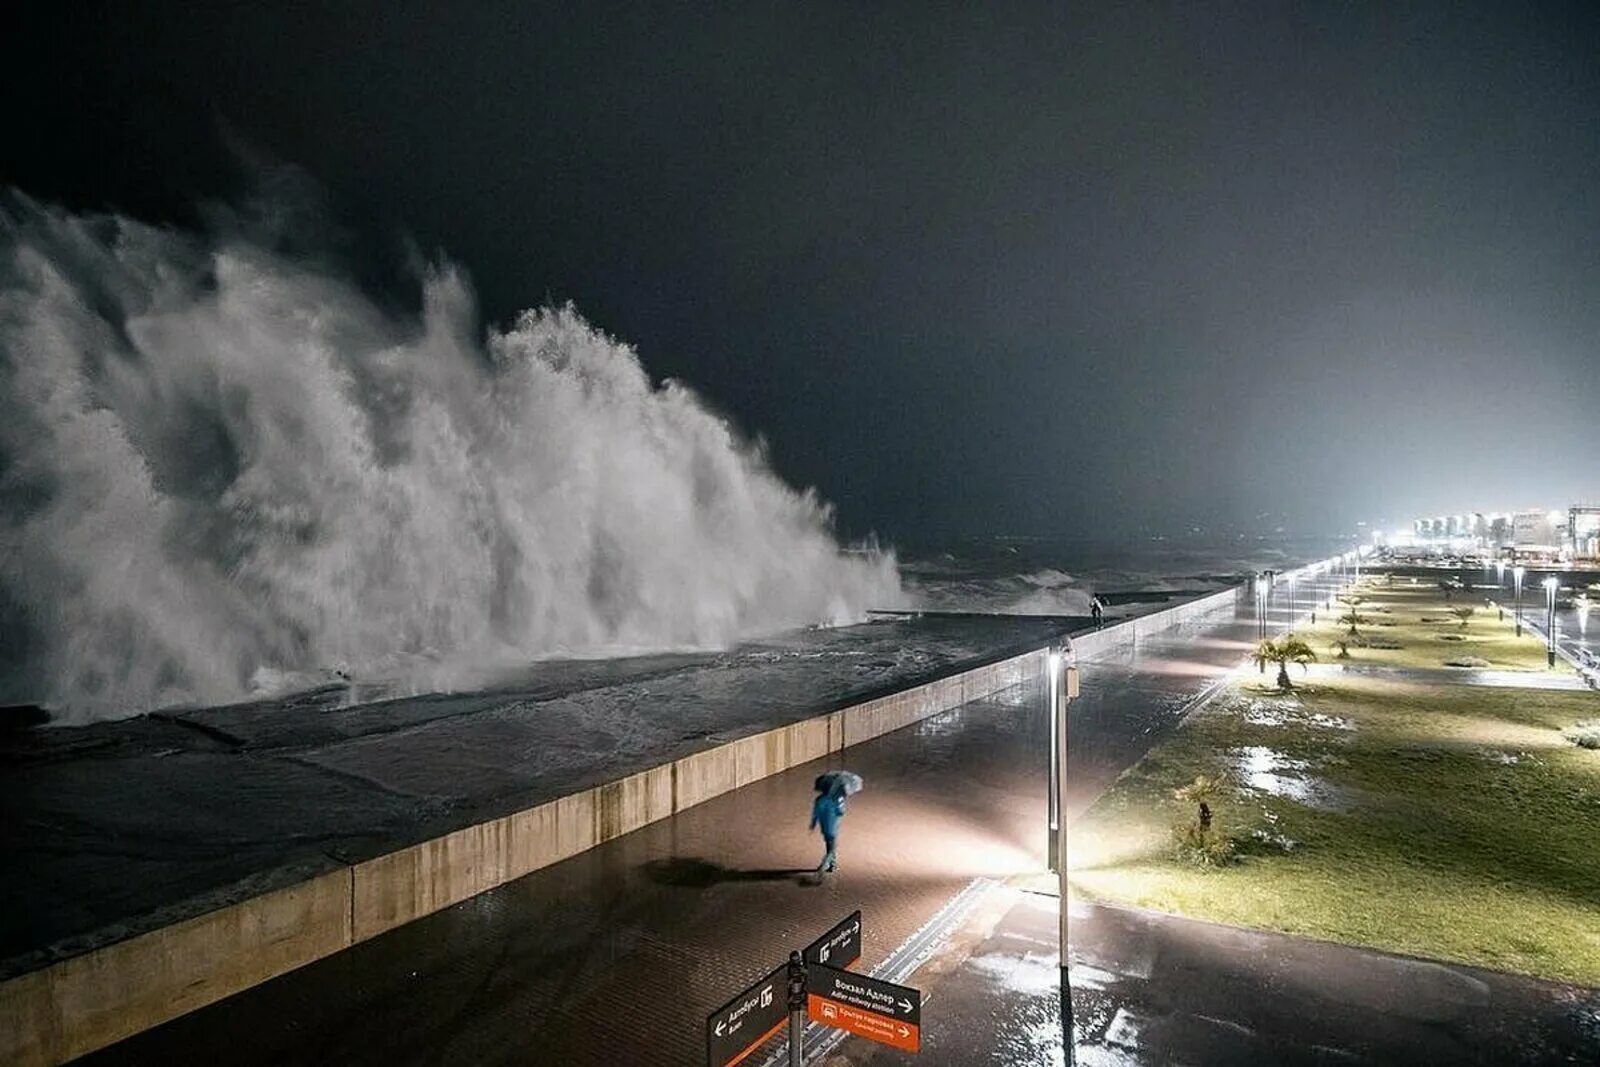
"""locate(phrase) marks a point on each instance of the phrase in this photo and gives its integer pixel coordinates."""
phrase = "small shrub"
(1202, 846)
(1202, 840)
(1584, 734)
(1452, 637)
(1467, 661)
(1388, 643)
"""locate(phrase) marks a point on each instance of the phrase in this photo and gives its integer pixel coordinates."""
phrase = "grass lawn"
(1442, 820)
(1418, 619)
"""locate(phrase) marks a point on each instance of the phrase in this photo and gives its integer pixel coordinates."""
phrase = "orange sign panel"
(883, 1029)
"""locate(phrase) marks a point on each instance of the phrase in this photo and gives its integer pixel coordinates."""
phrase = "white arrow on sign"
(906, 1004)
(720, 1026)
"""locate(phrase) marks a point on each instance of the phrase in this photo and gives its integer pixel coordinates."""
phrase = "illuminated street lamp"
(1516, 583)
(1063, 689)
(1261, 607)
(1551, 584)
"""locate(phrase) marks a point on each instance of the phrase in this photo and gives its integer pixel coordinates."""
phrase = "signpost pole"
(1069, 692)
(797, 1008)
(1053, 786)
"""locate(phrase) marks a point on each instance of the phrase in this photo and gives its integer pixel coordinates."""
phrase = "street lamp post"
(1516, 583)
(1063, 687)
(1052, 800)
(1261, 606)
(1551, 584)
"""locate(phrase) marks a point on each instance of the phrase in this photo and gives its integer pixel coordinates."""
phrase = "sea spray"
(225, 470)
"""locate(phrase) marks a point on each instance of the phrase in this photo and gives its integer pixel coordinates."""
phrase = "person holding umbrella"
(828, 809)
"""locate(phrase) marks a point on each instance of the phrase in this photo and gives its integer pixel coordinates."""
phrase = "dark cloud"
(1065, 269)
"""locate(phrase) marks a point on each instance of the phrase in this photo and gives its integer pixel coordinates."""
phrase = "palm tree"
(1351, 617)
(1463, 614)
(1204, 790)
(1285, 650)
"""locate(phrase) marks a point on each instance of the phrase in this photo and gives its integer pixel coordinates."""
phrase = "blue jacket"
(826, 813)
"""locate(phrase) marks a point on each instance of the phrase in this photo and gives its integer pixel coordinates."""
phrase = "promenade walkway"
(617, 955)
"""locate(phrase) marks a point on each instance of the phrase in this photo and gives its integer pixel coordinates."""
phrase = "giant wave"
(227, 469)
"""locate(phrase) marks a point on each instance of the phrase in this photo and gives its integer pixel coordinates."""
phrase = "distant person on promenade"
(826, 811)
(1097, 608)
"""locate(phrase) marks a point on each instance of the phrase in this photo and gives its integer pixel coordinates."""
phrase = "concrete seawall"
(1130, 630)
(80, 1004)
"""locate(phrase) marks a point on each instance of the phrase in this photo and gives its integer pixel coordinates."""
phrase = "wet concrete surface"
(1156, 989)
(120, 827)
(617, 955)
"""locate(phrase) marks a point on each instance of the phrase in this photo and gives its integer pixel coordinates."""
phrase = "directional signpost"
(868, 1007)
(739, 1026)
(839, 947)
(815, 984)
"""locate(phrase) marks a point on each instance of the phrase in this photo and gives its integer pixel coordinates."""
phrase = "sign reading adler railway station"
(865, 1006)
(828, 994)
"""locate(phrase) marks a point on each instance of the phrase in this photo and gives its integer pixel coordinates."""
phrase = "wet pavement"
(617, 955)
(1156, 989)
(120, 827)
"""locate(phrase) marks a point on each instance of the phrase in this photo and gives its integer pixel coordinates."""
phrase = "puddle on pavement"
(944, 724)
(1266, 770)
(1587, 1019)
(1032, 975)
(1125, 1029)
(1026, 1015)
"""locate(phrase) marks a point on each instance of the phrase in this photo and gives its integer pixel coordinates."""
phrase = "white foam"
(228, 471)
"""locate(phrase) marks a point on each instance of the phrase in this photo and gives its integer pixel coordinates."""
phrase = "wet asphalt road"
(1156, 989)
(617, 955)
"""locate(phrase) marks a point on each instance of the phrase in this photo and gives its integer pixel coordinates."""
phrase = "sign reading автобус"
(737, 1027)
(839, 947)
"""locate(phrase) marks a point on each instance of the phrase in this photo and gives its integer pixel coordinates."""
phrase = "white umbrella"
(847, 783)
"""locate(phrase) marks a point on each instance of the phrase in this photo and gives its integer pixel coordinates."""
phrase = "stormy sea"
(231, 475)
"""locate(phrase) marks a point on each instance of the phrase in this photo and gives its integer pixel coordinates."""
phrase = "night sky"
(1080, 270)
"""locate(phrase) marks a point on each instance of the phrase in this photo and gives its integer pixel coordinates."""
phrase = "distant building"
(1533, 529)
(1583, 532)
